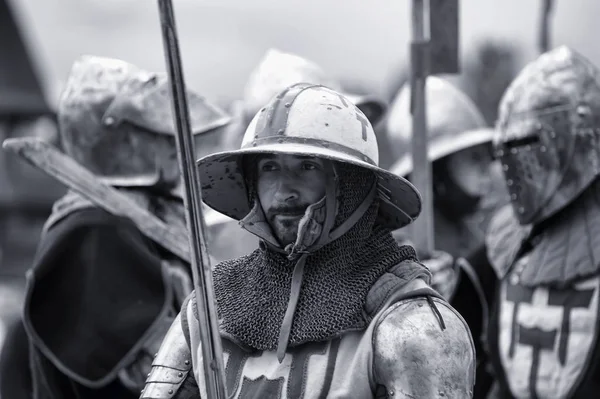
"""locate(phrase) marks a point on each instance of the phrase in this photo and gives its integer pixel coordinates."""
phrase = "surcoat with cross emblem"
(543, 333)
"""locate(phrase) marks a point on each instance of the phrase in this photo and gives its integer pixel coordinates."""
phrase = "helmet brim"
(449, 145)
(224, 188)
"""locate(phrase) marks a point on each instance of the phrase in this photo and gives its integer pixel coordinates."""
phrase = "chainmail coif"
(253, 291)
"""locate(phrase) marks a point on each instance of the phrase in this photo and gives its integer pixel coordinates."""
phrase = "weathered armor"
(300, 320)
(115, 118)
(545, 248)
(547, 134)
(171, 365)
(362, 363)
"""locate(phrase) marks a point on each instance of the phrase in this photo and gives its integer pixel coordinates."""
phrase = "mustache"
(288, 210)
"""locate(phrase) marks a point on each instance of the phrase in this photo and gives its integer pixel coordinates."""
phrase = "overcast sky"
(222, 40)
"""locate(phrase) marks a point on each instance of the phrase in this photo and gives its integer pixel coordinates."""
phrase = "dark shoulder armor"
(171, 365)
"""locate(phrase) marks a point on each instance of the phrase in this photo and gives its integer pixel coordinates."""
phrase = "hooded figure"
(101, 294)
(328, 305)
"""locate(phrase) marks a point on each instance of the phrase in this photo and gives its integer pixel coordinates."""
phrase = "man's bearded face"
(286, 186)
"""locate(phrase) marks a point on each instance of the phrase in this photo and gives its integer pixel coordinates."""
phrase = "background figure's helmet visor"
(535, 150)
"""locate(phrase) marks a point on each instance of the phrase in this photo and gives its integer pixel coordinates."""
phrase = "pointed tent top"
(20, 87)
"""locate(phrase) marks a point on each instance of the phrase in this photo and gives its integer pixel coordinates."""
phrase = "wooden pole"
(421, 173)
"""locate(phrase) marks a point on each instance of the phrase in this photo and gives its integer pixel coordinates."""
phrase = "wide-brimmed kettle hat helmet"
(453, 123)
(311, 120)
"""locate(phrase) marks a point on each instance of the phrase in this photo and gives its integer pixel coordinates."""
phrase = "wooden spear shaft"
(421, 172)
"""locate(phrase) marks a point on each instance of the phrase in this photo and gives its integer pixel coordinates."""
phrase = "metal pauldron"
(171, 365)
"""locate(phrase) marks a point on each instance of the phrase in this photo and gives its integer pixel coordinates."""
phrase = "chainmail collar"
(268, 300)
(253, 291)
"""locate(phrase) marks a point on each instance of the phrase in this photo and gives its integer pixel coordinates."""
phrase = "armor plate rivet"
(180, 375)
(514, 279)
(280, 131)
(170, 391)
(505, 167)
(109, 121)
(187, 362)
(583, 110)
(391, 393)
(287, 105)
(509, 182)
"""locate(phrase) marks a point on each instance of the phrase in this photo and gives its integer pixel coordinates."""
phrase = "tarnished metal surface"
(171, 366)
(116, 119)
(548, 133)
(414, 357)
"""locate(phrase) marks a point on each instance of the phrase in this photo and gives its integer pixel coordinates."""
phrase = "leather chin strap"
(326, 237)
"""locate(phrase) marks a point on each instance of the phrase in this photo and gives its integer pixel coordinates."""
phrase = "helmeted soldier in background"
(328, 305)
(101, 294)
(461, 155)
(544, 249)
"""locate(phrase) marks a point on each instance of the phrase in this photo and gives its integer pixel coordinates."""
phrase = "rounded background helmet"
(454, 123)
(547, 136)
(311, 120)
(278, 70)
(113, 116)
